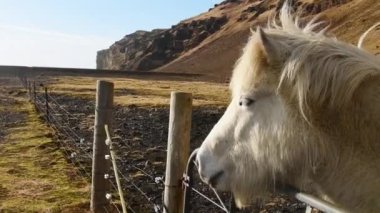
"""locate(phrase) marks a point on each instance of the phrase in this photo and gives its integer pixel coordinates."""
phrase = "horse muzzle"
(210, 170)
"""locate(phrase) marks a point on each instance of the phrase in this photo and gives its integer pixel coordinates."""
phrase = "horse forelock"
(320, 70)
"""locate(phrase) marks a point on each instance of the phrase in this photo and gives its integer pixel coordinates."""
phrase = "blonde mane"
(305, 111)
(321, 69)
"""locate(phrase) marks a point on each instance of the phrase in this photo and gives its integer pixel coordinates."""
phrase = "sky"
(68, 33)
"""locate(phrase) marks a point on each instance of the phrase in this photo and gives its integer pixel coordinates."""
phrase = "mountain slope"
(215, 53)
(216, 56)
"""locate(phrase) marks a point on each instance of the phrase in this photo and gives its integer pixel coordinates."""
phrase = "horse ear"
(268, 47)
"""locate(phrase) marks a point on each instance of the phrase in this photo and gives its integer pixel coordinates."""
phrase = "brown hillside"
(210, 43)
(217, 54)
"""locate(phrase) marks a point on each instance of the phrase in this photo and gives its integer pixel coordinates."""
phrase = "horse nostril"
(214, 179)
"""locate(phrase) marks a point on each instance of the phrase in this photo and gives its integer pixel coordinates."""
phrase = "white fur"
(314, 124)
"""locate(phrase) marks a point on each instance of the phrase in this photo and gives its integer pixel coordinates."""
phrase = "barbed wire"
(69, 129)
(60, 107)
(57, 110)
(54, 123)
(63, 128)
(155, 206)
(115, 189)
(65, 131)
(222, 207)
(54, 120)
(70, 152)
(157, 180)
(39, 100)
(83, 151)
(38, 107)
(116, 171)
(187, 182)
(130, 209)
(117, 208)
(105, 209)
(72, 157)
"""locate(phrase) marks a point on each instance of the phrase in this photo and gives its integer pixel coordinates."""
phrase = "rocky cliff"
(144, 50)
(210, 43)
(126, 53)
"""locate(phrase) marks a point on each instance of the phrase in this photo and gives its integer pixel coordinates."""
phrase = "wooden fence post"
(24, 81)
(30, 90)
(178, 150)
(101, 166)
(34, 92)
(47, 105)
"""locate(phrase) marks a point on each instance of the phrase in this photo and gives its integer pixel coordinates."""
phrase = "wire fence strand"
(60, 106)
(61, 130)
(68, 134)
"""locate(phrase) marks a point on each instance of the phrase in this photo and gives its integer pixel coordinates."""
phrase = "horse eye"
(246, 102)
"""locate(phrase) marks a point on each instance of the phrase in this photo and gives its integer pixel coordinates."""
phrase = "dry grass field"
(142, 92)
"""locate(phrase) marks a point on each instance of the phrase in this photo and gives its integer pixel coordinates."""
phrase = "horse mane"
(330, 85)
(320, 69)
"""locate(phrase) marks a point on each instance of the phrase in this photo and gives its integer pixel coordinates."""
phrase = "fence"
(75, 147)
(107, 189)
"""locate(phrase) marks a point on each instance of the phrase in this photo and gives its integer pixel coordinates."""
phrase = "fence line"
(43, 106)
(115, 169)
(46, 104)
(56, 116)
(72, 154)
(156, 207)
(51, 98)
(68, 129)
(54, 112)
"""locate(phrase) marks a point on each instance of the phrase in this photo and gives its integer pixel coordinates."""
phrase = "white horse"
(305, 112)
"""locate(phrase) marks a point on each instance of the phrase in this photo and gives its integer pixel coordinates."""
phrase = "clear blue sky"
(67, 33)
